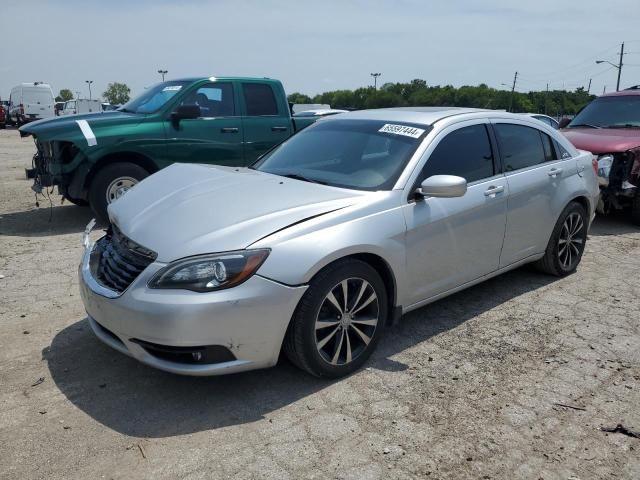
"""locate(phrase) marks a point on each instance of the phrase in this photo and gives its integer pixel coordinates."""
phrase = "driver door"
(216, 136)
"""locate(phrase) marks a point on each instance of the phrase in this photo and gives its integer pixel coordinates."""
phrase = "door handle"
(229, 130)
(554, 172)
(279, 129)
(492, 190)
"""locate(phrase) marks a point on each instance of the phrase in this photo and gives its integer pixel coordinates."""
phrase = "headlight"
(604, 168)
(206, 273)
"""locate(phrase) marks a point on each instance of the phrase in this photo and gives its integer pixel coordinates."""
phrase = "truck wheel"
(635, 209)
(81, 202)
(110, 183)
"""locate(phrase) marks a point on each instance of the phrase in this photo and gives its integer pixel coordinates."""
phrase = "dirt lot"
(470, 387)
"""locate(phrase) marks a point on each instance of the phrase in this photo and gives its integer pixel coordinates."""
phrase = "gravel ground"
(509, 379)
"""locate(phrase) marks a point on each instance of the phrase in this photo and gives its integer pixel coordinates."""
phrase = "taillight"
(594, 164)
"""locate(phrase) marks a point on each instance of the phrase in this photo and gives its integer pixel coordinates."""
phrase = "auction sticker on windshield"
(172, 88)
(412, 132)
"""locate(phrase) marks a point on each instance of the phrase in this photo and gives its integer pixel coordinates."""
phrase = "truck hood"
(603, 140)
(186, 209)
(50, 126)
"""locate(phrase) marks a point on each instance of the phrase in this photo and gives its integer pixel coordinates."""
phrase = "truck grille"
(117, 261)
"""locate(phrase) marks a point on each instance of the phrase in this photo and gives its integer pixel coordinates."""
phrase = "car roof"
(631, 91)
(420, 115)
(212, 78)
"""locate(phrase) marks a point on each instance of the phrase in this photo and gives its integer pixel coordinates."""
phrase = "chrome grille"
(117, 260)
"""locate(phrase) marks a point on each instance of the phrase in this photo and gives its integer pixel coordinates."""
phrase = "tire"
(635, 209)
(105, 183)
(81, 202)
(314, 348)
(566, 245)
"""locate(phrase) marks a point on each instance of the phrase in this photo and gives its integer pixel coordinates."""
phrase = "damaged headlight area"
(207, 273)
(605, 162)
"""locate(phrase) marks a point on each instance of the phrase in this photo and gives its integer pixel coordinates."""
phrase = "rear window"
(259, 99)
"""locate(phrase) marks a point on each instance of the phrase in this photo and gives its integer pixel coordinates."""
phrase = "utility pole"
(546, 99)
(513, 89)
(163, 73)
(604, 89)
(589, 87)
(375, 80)
(620, 67)
(89, 82)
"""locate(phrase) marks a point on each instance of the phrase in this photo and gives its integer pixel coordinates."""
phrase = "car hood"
(50, 126)
(603, 140)
(188, 209)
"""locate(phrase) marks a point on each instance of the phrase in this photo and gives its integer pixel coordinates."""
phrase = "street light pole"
(89, 82)
(619, 66)
(375, 80)
(163, 73)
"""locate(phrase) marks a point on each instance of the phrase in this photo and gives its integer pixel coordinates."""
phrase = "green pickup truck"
(95, 158)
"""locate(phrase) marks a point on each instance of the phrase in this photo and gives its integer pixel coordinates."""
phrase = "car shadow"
(140, 401)
(615, 223)
(46, 220)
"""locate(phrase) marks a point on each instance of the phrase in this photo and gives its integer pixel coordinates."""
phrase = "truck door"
(215, 137)
(265, 125)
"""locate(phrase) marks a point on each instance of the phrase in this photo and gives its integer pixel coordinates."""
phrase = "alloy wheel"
(347, 321)
(571, 240)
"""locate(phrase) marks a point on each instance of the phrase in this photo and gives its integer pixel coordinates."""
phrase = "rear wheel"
(338, 321)
(567, 242)
(111, 183)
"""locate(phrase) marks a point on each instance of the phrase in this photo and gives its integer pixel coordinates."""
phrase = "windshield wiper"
(584, 125)
(297, 176)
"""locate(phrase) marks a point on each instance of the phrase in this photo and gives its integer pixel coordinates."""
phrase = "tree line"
(116, 94)
(418, 93)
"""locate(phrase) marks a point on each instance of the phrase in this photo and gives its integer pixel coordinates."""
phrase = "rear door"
(38, 102)
(538, 179)
(452, 241)
(215, 137)
(265, 121)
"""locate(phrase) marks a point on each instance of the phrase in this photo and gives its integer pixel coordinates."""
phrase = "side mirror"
(564, 121)
(444, 186)
(185, 112)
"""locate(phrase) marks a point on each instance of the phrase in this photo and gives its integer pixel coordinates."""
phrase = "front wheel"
(338, 321)
(110, 183)
(567, 242)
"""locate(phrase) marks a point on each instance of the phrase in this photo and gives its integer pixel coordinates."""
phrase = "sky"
(319, 45)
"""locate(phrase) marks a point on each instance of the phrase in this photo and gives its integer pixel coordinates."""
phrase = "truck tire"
(110, 183)
(635, 209)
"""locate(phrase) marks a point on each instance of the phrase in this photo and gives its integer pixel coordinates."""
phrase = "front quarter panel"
(300, 252)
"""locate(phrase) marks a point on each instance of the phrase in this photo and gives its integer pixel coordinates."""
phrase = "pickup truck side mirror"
(564, 121)
(184, 112)
(444, 186)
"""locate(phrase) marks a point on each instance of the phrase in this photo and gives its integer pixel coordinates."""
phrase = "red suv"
(609, 127)
(3, 116)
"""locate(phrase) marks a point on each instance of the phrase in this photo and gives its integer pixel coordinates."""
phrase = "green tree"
(296, 97)
(117, 93)
(65, 95)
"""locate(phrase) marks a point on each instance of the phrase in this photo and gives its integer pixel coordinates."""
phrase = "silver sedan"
(331, 237)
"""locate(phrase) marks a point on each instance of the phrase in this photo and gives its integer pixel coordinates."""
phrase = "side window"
(214, 100)
(465, 152)
(521, 146)
(547, 146)
(561, 152)
(259, 99)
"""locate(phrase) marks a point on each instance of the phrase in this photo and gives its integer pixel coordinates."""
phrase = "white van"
(31, 101)
(81, 105)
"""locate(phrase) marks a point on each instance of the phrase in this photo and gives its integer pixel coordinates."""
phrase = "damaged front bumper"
(174, 330)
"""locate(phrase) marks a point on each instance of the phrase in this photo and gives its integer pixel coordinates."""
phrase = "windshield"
(154, 98)
(610, 112)
(357, 154)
